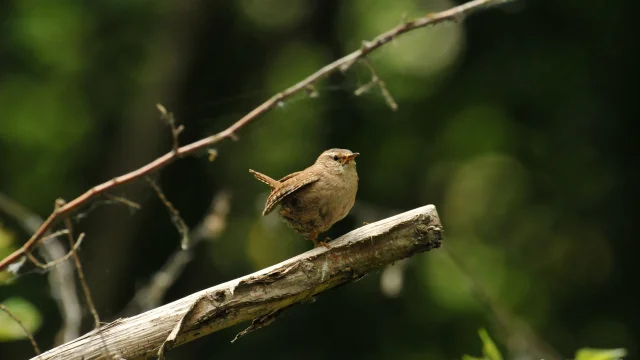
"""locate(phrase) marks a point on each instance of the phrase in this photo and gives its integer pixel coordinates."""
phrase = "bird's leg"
(325, 242)
(314, 237)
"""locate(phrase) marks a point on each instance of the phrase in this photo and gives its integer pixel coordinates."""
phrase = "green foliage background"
(514, 123)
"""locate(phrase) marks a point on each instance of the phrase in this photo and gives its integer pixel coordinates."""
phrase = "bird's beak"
(350, 157)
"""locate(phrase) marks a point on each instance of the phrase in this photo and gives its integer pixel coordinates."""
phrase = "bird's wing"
(286, 189)
(290, 176)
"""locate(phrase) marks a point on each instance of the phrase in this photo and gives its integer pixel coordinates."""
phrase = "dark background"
(514, 123)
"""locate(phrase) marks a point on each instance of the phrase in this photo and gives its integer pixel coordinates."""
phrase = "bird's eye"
(335, 157)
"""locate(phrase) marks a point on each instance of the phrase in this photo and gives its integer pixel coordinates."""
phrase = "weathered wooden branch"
(260, 296)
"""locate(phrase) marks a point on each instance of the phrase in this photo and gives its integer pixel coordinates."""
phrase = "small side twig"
(57, 261)
(81, 277)
(375, 80)
(34, 344)
(123, 200)
(179, 223)
(54, 235)
(171, 120)
(311, 91)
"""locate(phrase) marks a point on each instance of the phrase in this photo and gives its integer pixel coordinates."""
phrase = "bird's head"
(338, 160)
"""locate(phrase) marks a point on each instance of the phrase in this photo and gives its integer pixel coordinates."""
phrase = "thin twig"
(171, 120)
(26, 331)
(44, 241)
(341, 64)
(211, 227)
(54, 236)
(57, 261)
(311, 91)
(62, 283)
(76, 259)
(366, 87)
(123, 200)
(375, 80)
(179, 223)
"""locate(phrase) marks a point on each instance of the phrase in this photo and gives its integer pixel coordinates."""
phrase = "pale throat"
(347, 168)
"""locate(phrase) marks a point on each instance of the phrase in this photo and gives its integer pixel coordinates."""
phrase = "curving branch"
(263, 295)
(342, 64)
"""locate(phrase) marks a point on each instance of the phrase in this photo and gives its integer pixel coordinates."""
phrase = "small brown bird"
(314, 199)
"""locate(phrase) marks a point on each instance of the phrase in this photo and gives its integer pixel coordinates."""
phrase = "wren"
(314, 199)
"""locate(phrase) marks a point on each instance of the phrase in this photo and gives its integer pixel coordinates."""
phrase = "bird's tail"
(264, 178)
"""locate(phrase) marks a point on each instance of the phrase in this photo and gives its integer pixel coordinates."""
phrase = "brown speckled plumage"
(314, 199)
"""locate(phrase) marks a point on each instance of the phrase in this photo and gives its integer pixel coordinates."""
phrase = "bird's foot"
(365, 223)
(314, 237)
(325, 243)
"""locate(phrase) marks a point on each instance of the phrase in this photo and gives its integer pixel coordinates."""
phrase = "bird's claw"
(325, 244)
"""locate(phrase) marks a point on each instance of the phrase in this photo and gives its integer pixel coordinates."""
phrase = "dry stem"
(76, 259)
(177, 220)
(59, 260)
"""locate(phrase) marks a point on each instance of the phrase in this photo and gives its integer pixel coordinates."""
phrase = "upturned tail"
(265, 179)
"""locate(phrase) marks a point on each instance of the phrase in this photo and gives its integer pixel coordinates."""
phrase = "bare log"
(260, 296)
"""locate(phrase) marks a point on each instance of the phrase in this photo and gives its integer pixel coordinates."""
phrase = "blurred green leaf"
(600, 354)
(420, 53)
(23, 310)
(53, 32)
(489, 349)
(6, 238)
(274, 15)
